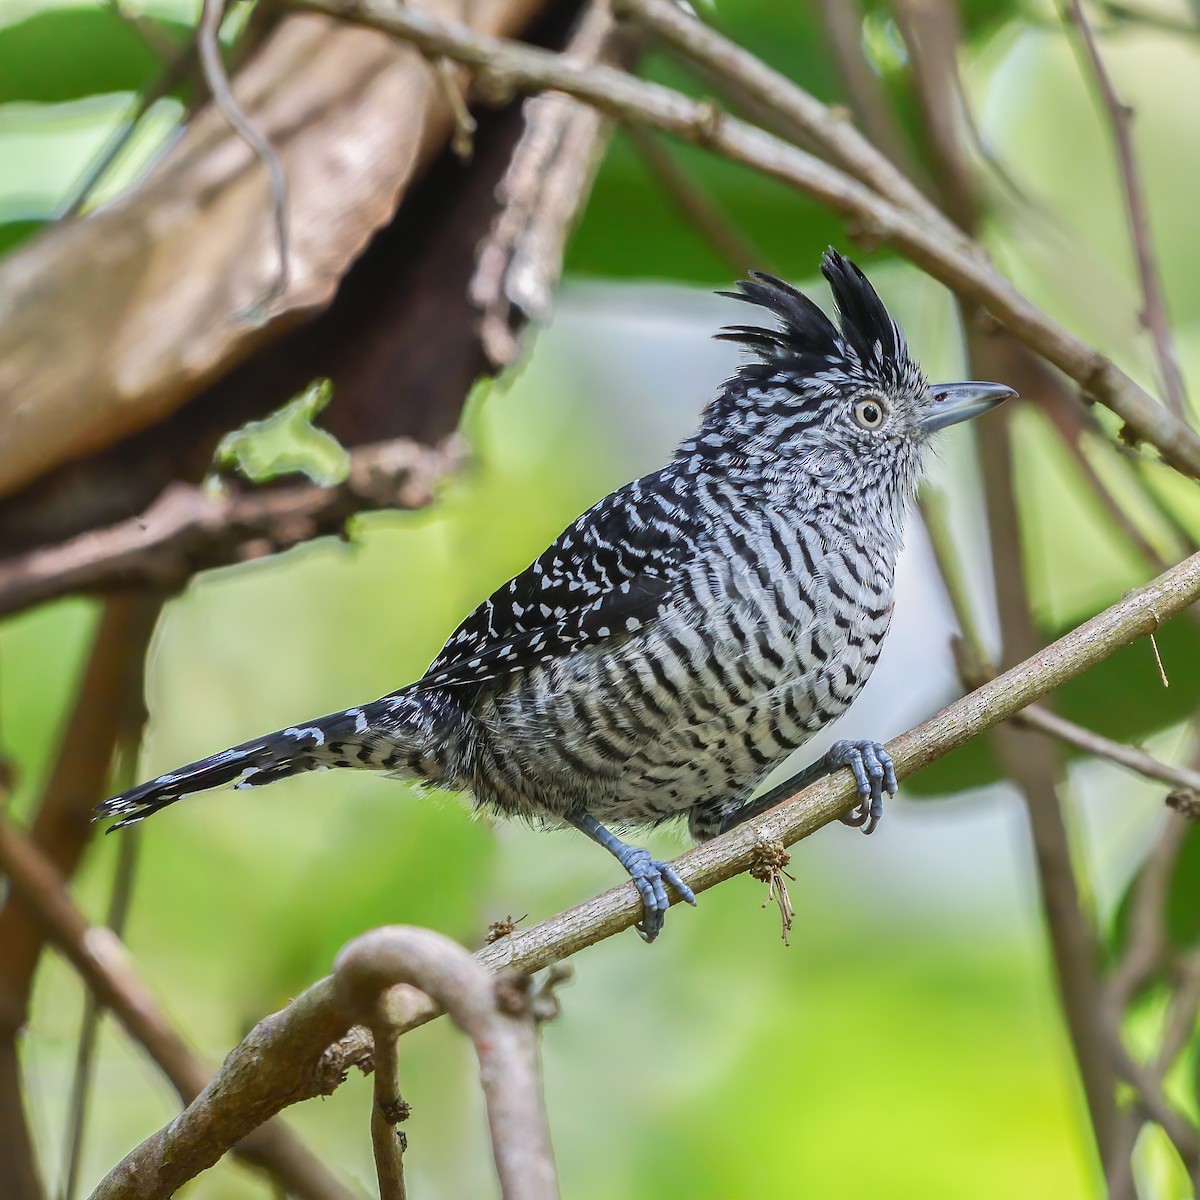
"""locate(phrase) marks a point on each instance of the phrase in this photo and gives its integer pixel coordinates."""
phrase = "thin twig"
(1129, 757)
(462, 140)
(1146, 936)
(1180, 1026)
(209, 46)
(1116, 511)
(153, 36)
(872, 108)
(1183, 1133)
(904, 218)
(931, 33)
(274, 1065)
(177, 69)
(1131, 14)
(1140, 473)
(102, 962)
(1154, 307)
(387, 1110)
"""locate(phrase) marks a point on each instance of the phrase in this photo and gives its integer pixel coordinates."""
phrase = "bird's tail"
(407, 733)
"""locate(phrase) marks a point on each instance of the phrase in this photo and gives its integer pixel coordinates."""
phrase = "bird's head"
(843, 405)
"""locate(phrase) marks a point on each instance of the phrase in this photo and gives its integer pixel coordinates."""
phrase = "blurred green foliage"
(907, 1044)
(63, 54)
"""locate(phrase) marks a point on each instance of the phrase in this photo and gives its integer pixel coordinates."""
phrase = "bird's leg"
(873, 771)
(649, 875)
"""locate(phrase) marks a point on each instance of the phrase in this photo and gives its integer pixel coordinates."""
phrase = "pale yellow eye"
(869, 413)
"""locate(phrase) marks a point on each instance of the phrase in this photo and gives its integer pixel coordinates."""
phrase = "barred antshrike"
(689, 631)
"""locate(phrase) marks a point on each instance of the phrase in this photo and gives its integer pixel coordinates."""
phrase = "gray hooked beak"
(950, 403)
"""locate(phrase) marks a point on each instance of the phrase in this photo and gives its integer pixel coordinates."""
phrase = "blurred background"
(908, 1042)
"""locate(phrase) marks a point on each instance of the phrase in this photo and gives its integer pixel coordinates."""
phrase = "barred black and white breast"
(690, 630)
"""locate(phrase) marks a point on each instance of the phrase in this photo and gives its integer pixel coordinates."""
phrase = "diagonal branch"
(189, 527)
(278, 1062)
(905, 219)
(1130, 757)
(1154, 306)
(101, 961)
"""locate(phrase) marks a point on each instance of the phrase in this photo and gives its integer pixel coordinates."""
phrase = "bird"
(690, 630)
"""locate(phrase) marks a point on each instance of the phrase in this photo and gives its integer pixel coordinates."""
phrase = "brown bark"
(111, 323)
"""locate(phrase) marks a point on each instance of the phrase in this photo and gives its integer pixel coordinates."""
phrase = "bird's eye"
(869, 413)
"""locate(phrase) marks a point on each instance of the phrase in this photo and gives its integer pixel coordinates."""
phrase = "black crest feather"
(865, 321)
(805, 331)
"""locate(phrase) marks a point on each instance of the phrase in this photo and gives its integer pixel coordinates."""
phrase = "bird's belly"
(690, 713)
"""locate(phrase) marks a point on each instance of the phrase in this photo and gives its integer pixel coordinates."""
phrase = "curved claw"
(874, 773)
(650, 876)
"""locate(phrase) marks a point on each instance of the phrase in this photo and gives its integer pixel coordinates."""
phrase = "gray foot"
(650, 876)
(873, 772)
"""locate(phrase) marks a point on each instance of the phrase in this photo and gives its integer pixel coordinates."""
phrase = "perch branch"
(281, 1059)
(905, 219)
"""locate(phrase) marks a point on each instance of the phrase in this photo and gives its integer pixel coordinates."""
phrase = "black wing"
(606, 575)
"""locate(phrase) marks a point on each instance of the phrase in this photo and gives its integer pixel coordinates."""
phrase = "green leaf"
(287, 441)
(69, 53)
(13, 233)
